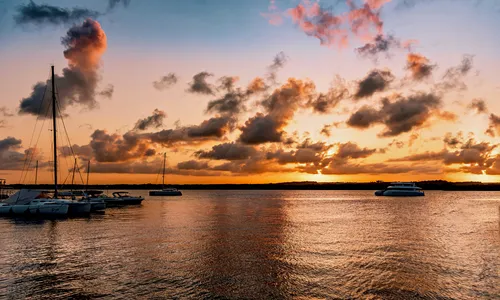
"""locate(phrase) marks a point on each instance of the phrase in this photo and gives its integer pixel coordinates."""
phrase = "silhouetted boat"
(401, 189)
(165, 191)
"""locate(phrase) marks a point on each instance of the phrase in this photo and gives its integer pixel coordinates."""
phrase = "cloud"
(165, 82)
(399, 116)
(453, 141)
(279, 62)
(208, 130)
(280, 107)
(9, 143)
(108, 91)
(426, 156)
(375, 81)
(153, 121)
(494, 126)
(113, 3)
(325, 103)
(453, 77)
(419, 66)
(468, 156)
(227, 151)
(5, 112)
(199, 85)
(261, 129)
(115, 148)
(213, 127)
(381, 44)
(192, 165)
(232, 102)
(305, 153)
(352, 150)
(364, 118)
(335, 30)
(327, 129)
(44, 14)
(478, 105)
(85, 45)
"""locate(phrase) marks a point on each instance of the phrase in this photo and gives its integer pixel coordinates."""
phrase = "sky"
(250, 91)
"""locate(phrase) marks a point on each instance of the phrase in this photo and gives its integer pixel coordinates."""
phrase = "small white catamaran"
(165, 191)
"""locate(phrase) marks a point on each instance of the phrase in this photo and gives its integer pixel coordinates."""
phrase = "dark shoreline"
(426, 185)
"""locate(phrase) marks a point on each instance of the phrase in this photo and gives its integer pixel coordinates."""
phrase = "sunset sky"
(252, 91)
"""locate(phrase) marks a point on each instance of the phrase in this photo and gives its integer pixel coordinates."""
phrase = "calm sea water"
(262, 245)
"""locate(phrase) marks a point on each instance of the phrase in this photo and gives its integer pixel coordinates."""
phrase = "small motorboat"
(401, 189)
(123, 198)
(81, 197)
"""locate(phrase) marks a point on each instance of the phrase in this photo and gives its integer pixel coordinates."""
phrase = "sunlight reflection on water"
(263, 244)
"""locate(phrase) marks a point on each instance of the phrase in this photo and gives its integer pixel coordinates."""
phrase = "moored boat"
(401, 189)
(165, 191)
(33, 202)
(124, 198)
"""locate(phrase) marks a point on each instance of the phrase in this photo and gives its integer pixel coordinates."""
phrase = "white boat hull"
(399, 193)
(43, 209)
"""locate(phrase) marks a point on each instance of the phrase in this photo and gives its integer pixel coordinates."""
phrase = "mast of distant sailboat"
(163, 177)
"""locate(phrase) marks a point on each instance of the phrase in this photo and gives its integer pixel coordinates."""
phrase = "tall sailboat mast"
(36, 172)
(54, 128)
(163, 177)
(88, 171)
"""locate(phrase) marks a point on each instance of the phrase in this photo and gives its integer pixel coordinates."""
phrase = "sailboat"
(28, 201)
(165, 191)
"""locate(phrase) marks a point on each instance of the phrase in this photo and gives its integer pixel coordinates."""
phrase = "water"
(262, 245)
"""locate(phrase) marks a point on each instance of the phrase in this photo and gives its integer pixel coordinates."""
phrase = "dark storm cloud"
(84, 44)
(165, 82)
(41, 14)
(199, 85)
(153, 121)
(227, 151)
(494, 126)
(375, 81)
(478, 105)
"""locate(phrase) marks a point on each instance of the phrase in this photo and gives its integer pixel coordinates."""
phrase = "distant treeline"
(308, 185)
